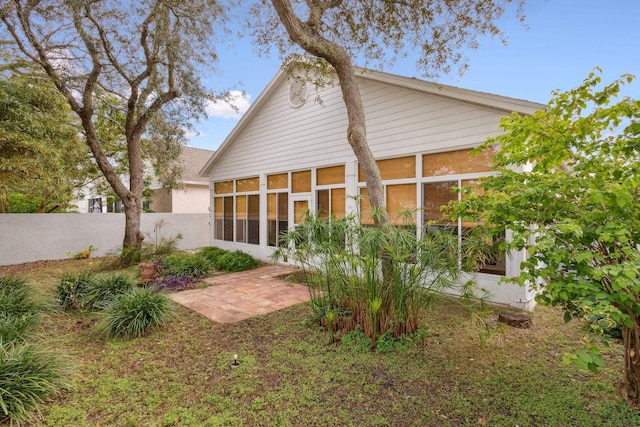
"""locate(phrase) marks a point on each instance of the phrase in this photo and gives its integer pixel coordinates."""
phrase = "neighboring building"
(191, 197)
(289, 154)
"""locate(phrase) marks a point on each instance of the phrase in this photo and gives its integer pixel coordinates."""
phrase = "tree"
(338, 31)
(42, 159)
(568, 193)
(147, 54)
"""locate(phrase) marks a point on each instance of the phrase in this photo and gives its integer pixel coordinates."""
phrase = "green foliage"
(167, 245)
(383, 280)
(72, 290)
(27, 376)
(135, 313)
(357, 340)
(235, 261)
(18, 311)
(574, 203)
(212, 253)
(102, 291)
(184, 264)
(42, 158)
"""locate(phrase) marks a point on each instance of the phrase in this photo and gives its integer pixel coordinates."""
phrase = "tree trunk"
(133, 237)
(306, 36)
(131, 197)
(630, 385)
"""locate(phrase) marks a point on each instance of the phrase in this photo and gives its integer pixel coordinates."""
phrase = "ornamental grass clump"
(72, 290)
(106, 288)
(28, 375)
(382, 279)
(18, 310)
(135, 313)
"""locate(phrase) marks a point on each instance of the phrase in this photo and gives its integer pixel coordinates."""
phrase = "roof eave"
(264, 96)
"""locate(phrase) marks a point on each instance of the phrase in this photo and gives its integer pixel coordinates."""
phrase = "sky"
(562, 42)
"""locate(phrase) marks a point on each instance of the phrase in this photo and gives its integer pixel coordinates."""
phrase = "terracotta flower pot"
(147, 271)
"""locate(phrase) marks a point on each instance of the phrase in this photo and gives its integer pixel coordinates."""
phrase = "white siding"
(399, 121)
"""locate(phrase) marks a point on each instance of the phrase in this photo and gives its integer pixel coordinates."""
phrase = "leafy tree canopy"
(376, 33)
(42, 158)
(568, 191)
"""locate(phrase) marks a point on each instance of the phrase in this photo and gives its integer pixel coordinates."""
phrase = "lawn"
(290, 375)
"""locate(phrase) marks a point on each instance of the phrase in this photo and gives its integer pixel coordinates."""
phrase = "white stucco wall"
(192, 198)
(34, 237)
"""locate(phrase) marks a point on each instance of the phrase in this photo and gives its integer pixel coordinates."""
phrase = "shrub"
(106, 288)
(27, 376)
(183, 264)
(383, 280)
(72, 290)
(134, 313)
(175, 283)
(18, 311)
(235, 261)
(212, 253)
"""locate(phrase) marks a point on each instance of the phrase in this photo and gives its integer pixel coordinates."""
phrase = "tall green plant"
(384, 278)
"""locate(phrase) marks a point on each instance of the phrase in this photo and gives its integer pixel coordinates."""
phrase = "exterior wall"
(400, 122)
(192, 198)
(161, 201)
(34, 237)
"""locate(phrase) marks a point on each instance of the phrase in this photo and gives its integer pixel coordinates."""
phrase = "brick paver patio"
(238, 296)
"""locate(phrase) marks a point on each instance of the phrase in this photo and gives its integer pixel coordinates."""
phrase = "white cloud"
(233, 107)
(191, 133)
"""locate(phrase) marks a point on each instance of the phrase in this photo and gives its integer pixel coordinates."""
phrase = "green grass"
(289, 376)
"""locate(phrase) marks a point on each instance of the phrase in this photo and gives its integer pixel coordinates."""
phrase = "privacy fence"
(35, 237)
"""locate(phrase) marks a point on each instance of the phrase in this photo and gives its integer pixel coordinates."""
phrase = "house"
(289, 153)
(191, 197)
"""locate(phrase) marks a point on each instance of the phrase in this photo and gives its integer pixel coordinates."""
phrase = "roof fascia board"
(264, 96)
(484, 99)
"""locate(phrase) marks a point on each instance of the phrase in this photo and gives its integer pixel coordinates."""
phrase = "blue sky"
(563, 42)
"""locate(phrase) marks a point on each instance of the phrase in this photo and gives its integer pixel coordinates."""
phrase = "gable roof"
(484, 99)
(194, 159)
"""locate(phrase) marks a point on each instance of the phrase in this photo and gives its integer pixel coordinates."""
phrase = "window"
(95, 205)
(330, 175)
(456, 162)
(240, 210)
(301, 182)
(331, 203)
(223, 217)
(401, 203)
(115, 205)
(278, 181)
(248, 219)
(438, 194)
(277, 217)
(223, 187)
(398, 168)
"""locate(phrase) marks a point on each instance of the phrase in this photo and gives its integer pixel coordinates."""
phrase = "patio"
(238, 296)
